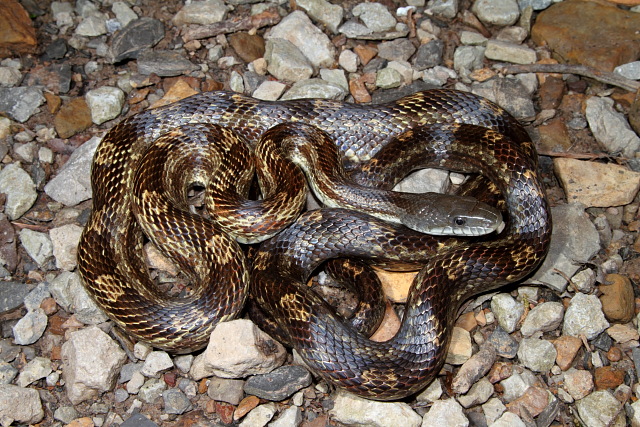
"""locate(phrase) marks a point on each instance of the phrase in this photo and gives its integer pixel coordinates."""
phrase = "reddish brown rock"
(245, 406)
(551, 92)
(589, 32)
(534, 401)
(554, 136)
(225, 410)
(608, 377)
(17, 35)
(72, 118)
(249, 47)
(566, 347)
(365, 53)
(618, 301)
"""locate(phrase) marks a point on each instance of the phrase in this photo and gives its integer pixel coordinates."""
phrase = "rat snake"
(144, 167)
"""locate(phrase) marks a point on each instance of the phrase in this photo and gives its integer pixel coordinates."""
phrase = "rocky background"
(564, 353)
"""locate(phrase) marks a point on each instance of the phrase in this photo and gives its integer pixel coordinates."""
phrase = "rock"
(537, 354)
(623, 333)
(445, 8)
(164, 63)
(20, 103)
(508, 419)
(544, 317)
(66, 414)
(509, 52)
(569, 248)
(69, 294)
(73, 117)
(138, 35)
(10, 76)
(329, 15)
(600, 408)
(93, 25)
(249, 47)
(72, 184)
(566, 347)
(29, 411)
(617, 298)
(237, 349)
(226, 390)
(511, 94)
(17, 35)
(278, 384)
(38, 245)
(375, 16)
(497, 12)
(201, 13)
(286, 62)
(516, 385)
(388, 78)
(460, 349)
(152, 390)
(629, 70)
(479, 393)
(431, 393)
(493, 409)
(19, 188)
(12, 295)
(138, 420)
(584, 280)
(337, 77)
(354, 30)
(91, 362)
(311, 41)
(135, 383)
(290, 417)
(445, 412)
(507, 310)
(584, 316)
(578, 383)
(396, 50)
(65, 240)
(348, 60)
(504, 344)
(314, 88)
(428, 55)
(269, 90)
(155, 363)
(176, 402)
(37, 368)
(260, 416)
(123, 13)
(105, 103)
(608, 377)
(353, 410)
(474, 369)
(531, 403)
(30, 328)
(610, 128)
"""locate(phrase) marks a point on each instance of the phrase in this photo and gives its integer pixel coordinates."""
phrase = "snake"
(144, 168)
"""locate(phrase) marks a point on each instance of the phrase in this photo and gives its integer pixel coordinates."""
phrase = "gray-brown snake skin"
(462, 132)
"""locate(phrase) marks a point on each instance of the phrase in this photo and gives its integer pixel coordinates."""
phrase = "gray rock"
(314, 88)
(278, 384)
(29, 411)
(20, 103)
(201, 13)
(584, 280)
(429, 55)
(493, 409)
(183, 362)
(175, 402)
(290, 417)
(38, 245)
(19, 188)
(309, 39)
(65, 242)
(353, 410)
(135, 383)
(69, 294)
(375, 16)
(505, 345)
(601, 408)
(156, 363)
(152, 390)
(337, 77)
(348, 60)
(237, 349)
(138, 420)
(431, 393)
(164, 63)
(91, 362)
(396, 50)
(93, 25)
(329, 15)
(12, 295)
(120, 395)
(630, 70)
(226, 390)
(467, 59)
(534, 4)
(474, 369)
(509, 52)
(354, 30)
(479, 393)
(578, 383)
(37, 368)
(286, 62)
(610, 128)
(138, 35)
(511, 94)
(472, 38)
(508, 419)
(388, 78)
(30, 328)
(537, 354)
(124, 14)
(35, 298)
(497, 12)
(10, 76)
(7, 373)
(127, 371)
(259, 416)
(516, 385)
(66, 414)
(445, 413)
(512, 35)
(543, 318)
(438, 75)
(72, 184)
(105, 103)
(574, 241)
(584, 316)
(446, 8)
(507, 310)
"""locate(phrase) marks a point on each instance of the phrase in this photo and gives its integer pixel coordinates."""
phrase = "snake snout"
(454, 216)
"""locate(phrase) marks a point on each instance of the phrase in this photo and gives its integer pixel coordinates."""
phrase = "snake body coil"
(144, 166)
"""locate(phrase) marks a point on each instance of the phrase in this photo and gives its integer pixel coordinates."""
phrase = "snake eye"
(459, 221)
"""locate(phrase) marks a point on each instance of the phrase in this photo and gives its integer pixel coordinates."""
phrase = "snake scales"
(460, 131)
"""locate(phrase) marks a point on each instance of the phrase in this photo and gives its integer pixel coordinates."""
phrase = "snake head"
(452, 216)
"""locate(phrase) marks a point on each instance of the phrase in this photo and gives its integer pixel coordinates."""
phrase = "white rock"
(201, 13)
(445, 413)
(375, 16)
(509, 52)
(141, 350)
(152, 390)
(105, 103)
(28, 411)
(337, 77)
(543, 317)
(493, 409)
(497, 12)
(259, 416)
(69, 294)
(93, 25)
(290, 417)
(314, 88)
(479, 393)
(38, 245)
(507, 310)
(348, 60)
(237, 349)
(91, 362)
(508, 419)
(431, 393)
(19, 188)
(123, 13)
(537, 354)
(30, 328)
(156, 363)
(601, 408)
(584, 316)
(269, 90)
(610, 127)
(65, 243)
(37, 368)
(324, 12)
(353, 410)
(312, 42)
(286, 62)
(135, 383)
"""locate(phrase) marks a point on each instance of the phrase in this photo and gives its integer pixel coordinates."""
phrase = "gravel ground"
(561, 348)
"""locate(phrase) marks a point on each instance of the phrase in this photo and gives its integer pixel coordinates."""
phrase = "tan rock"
(568, 29)
(73, 117)
(596, 184)
(566, 348)
(180, 90)
(388, 327)
(618, 301)
(396, 284)
(17, 34)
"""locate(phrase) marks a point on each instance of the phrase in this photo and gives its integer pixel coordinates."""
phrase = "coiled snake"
(145, 165)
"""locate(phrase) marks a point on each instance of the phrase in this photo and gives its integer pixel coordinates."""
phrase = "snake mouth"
(470, 231)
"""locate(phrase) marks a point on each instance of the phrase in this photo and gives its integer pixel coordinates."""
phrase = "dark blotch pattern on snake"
(459, 130)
